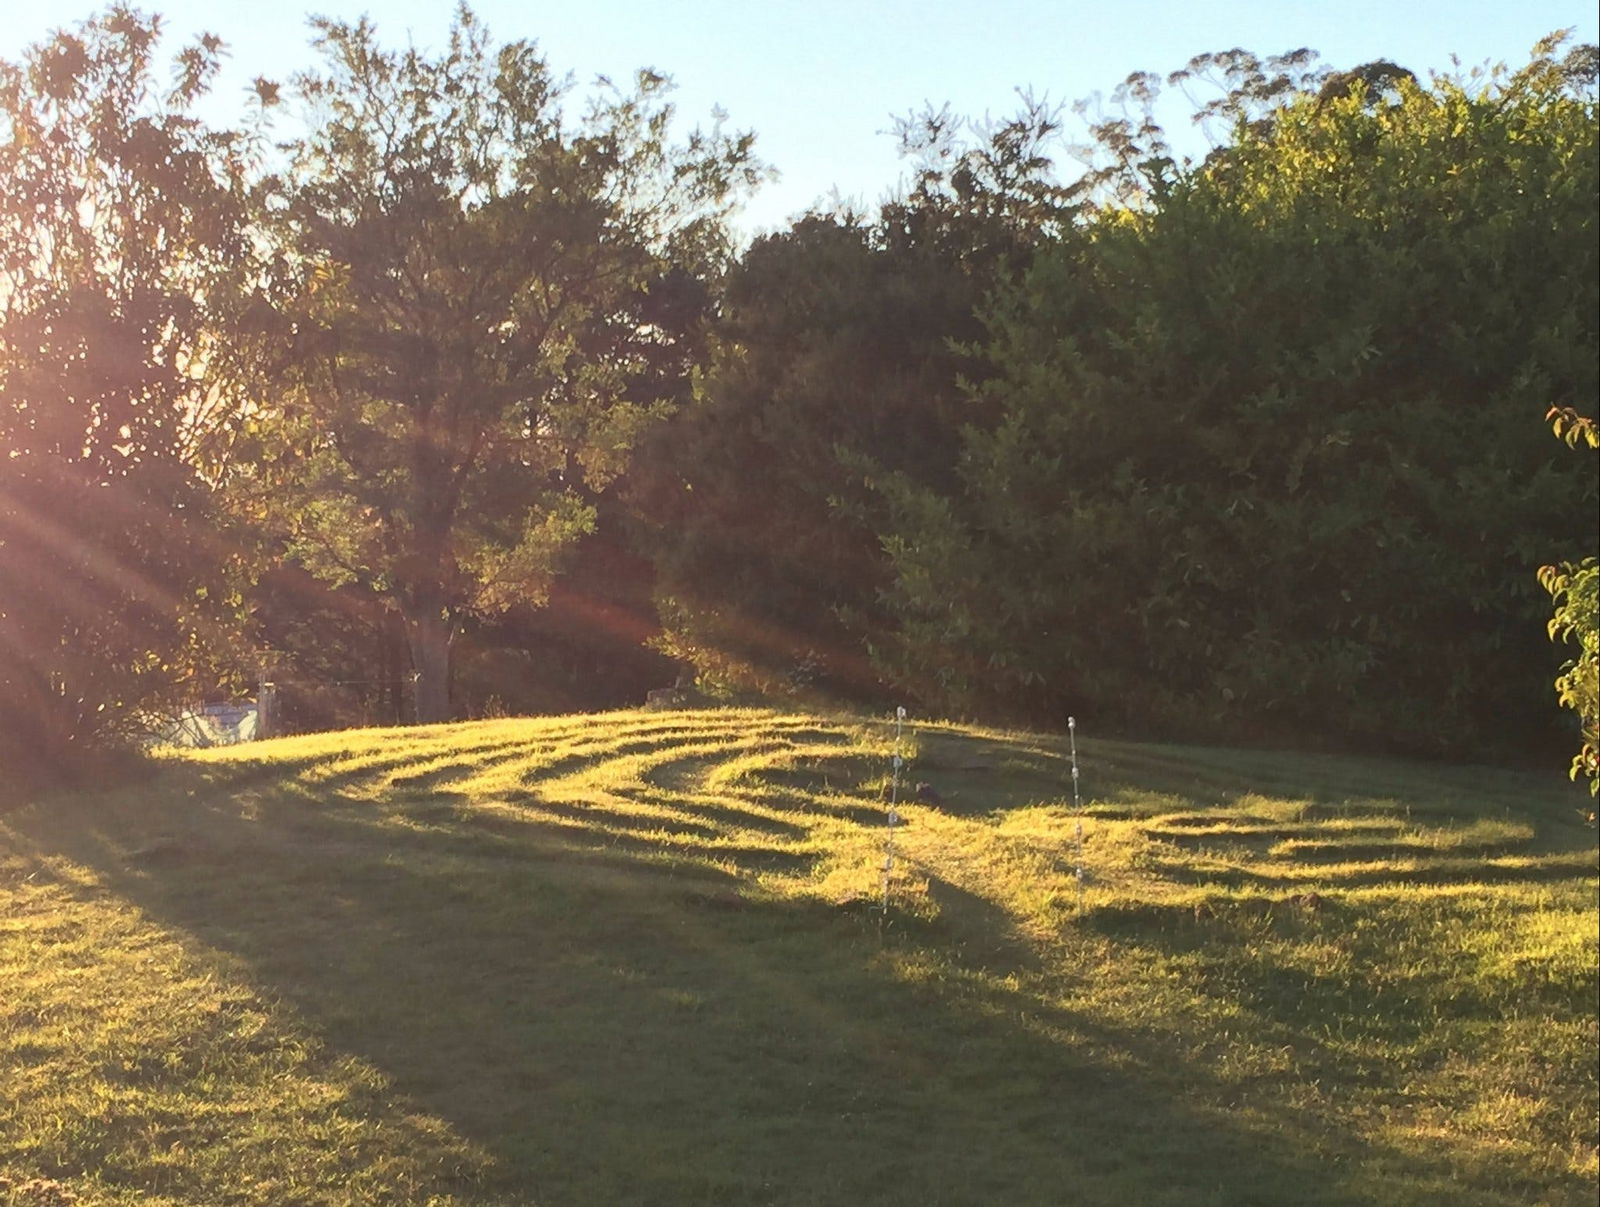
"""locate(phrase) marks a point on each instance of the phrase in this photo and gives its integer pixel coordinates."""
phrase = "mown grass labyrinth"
(637, 958)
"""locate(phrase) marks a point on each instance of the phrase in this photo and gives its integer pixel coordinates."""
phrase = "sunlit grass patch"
(642, 957)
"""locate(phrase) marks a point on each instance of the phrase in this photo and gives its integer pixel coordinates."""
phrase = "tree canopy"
(122, 224)
(1244, 448)
(489, 304)
(1266, 448)
(836, 358)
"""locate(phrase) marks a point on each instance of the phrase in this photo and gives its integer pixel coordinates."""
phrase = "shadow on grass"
(716, 809)
(1388, 992)
(606, 1038)
(1332, 878)
(986, 935)
(1178, 786)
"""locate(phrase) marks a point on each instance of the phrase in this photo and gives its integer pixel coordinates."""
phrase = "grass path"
(636, 959)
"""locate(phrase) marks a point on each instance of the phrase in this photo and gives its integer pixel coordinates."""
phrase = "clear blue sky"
(821, 80)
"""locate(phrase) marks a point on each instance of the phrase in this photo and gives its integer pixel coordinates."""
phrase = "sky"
(821, 81)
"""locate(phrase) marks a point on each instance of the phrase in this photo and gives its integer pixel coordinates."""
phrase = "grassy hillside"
(638, 959)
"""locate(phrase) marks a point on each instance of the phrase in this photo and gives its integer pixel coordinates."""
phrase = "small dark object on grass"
(1259, 907)
(927, 794)
(718, 900)
(163, 848)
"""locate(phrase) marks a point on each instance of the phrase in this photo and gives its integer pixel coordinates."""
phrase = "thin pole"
(1077, 809)
(893, 818)
(266, 704)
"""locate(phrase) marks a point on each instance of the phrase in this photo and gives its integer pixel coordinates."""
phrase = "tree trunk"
(428, 633)
(391, 667)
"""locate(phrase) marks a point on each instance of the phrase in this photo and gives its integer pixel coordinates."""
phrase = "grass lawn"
(638, 958)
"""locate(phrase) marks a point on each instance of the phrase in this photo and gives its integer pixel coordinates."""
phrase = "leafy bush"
(1260, 460)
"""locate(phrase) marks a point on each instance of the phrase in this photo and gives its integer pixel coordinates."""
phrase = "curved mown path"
(640, 958)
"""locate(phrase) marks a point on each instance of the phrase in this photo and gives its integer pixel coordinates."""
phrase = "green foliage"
(488, 302)
(834, 360)
(1572, 428)
(1260, 444)
(827, 343)
(121, 238)
(1575, 591)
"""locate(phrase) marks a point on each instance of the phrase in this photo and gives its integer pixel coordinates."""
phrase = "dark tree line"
(445, 383)
(1244, 449)
(1261, 459)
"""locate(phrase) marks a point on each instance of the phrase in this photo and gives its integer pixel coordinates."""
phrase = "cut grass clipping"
(638, 959)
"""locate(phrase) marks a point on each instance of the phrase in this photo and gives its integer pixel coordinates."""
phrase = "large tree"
(121, 236)
(1265, 454)
(834, 359)
(492, 299)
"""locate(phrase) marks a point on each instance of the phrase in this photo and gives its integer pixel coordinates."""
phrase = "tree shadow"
(577, 1012)
(1331, 878)
(985, 934)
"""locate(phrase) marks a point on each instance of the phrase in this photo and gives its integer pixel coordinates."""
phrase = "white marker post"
(1077, 810)
(894, 801)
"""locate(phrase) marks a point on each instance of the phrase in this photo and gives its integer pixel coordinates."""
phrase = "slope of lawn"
(640, 958)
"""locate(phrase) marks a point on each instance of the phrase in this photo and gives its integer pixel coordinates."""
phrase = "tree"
(1260, 440)
(1575, 594)
(490, 302)
(121, 233)
(825, 342)
(834, 359)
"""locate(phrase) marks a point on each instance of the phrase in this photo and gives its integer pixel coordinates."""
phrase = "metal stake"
(893, 818)
(1077, 810)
